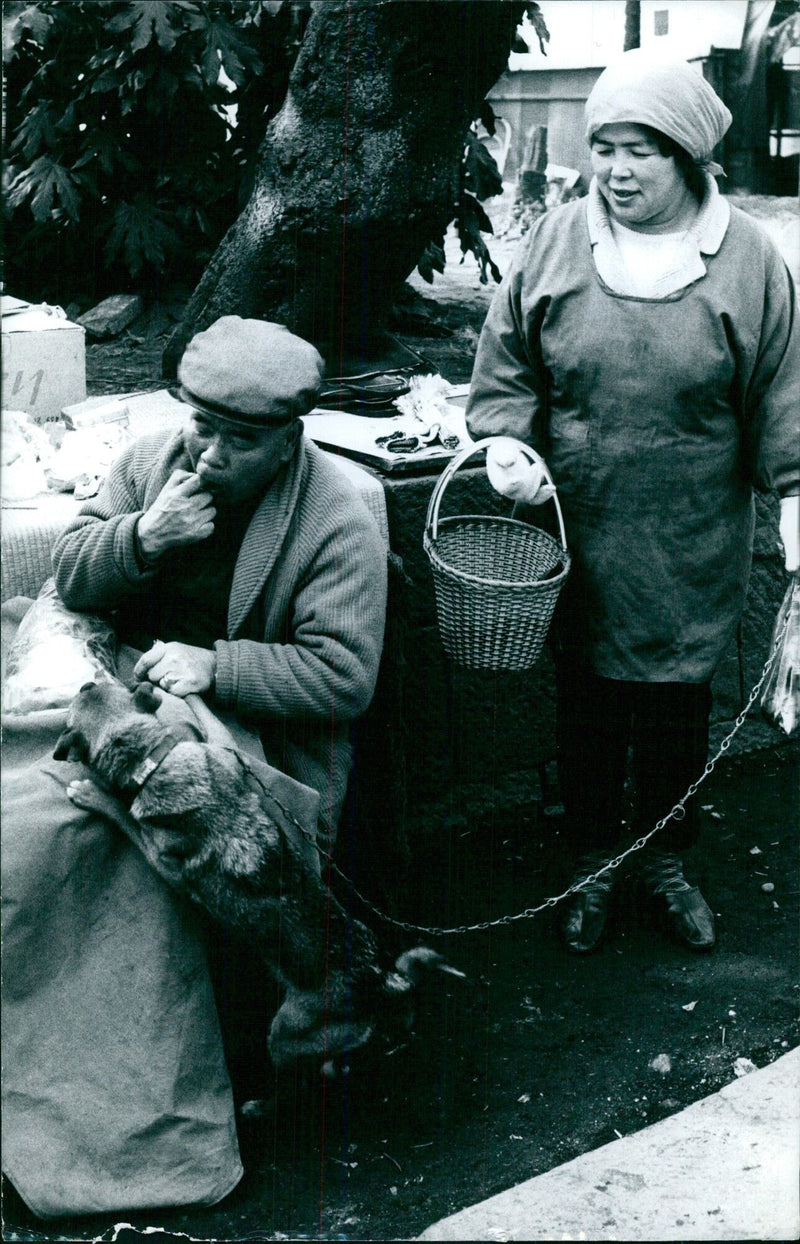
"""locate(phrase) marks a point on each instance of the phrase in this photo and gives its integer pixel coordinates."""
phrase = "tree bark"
(747, 140)
(633, 25)
(358, 171)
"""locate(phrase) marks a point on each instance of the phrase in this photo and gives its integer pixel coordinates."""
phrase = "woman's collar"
(707, 231)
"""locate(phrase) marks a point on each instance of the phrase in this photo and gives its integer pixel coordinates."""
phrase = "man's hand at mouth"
(182, 513)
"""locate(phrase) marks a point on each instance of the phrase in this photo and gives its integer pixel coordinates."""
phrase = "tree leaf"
(470, 221)
(165, 32)
(132, 114)
(101, 145)
(45, 183)
(471, 210)
(192, 17)
(57, 184)
(19, 18)
(139, 235)
(108, 80)
(437, 256)
(35, 132)
(536, 19)
(431, 260)
(225, 48)
(481, 174)
(145, 19)
(125, 19)
(487, 117)
(424, 267)
(66, 123)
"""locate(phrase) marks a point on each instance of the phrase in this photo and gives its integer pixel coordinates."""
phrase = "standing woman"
(645, 342)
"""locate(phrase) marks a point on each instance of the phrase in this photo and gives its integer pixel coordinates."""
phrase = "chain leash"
(676, 813)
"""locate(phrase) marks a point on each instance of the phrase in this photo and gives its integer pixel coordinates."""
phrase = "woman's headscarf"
(642, 88)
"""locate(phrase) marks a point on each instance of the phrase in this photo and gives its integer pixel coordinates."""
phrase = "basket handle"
(432, 519)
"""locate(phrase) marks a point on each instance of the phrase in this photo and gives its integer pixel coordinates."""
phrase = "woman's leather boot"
(586, 912)
(688, 912)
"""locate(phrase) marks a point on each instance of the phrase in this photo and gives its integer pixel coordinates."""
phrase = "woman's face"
(644, 189)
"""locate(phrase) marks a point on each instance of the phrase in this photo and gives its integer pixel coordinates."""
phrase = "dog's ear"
(145, 698)
(71, 745)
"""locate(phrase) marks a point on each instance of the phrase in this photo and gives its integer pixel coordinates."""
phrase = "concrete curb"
(725, 1168)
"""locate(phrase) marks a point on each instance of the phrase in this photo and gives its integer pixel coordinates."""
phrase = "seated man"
(240, 545)
(241, 561)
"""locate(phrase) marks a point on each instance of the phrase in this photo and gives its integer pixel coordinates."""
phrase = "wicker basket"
(496, 580)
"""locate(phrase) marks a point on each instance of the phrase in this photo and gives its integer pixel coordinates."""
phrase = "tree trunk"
(747, 140)
(358, 171)
(633, 25)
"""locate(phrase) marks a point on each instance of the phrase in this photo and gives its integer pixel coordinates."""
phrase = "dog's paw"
(84, 794)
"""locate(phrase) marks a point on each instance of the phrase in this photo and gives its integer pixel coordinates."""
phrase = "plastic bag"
(26, 453)
(83, 461)
(780, 698)
(55, 651)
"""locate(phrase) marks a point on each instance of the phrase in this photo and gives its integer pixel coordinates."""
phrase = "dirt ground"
(537, 1056)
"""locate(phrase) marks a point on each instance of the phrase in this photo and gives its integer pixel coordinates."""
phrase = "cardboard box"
(44, 360)
(96, 410)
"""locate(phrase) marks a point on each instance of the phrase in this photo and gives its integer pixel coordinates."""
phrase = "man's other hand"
(182, 513)
(180, 669)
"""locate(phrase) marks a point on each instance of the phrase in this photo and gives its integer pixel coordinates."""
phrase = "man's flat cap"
(251, 372)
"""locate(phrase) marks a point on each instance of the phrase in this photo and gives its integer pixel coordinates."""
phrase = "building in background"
(748, 50)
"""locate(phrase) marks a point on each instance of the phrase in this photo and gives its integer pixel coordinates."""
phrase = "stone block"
(111, 316)
(466, 726)
(440, 746)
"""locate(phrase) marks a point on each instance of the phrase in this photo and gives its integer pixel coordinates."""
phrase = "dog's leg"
(85, 794)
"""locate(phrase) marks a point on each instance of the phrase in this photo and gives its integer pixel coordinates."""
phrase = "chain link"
(676, 813)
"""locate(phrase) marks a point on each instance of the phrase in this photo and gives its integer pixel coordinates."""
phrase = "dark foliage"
(123, 168)
(124, 164)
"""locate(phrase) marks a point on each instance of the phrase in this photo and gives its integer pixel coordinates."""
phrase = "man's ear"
(71, 745)
(145, 698)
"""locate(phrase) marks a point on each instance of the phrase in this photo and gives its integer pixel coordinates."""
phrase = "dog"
(207, 824)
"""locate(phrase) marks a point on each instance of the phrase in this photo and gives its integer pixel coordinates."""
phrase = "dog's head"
(96, 706)
(318, 1023)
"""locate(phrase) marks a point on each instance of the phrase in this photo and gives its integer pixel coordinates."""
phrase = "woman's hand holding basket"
(516, 472)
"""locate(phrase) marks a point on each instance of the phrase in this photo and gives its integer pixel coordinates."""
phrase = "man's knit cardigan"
(306, 611)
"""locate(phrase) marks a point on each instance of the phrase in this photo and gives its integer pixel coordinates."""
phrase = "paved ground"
(725, 1168)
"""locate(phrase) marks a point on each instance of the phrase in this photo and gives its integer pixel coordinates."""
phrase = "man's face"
(237, 463)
